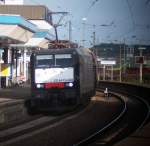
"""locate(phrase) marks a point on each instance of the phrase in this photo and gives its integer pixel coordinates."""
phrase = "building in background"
(16, 41)
(12, 2)
(33, 12)
(126, 67)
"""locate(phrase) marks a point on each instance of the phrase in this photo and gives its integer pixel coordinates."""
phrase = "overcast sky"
(113, 19)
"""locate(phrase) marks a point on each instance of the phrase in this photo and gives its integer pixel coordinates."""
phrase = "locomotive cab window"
(57, 60)
(63, 60)
(44, 60)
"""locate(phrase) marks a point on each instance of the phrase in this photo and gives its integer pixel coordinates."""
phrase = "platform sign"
(5, 70)
(139, 59)
(108, 62)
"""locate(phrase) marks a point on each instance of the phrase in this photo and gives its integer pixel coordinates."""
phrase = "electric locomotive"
(62, 77)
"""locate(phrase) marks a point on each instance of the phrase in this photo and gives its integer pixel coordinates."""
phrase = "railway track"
(23, 132)
(43, 129)
(132, 118)
(12, 131)
(94, 136)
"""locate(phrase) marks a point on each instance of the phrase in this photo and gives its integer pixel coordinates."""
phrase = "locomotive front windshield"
(57, 60)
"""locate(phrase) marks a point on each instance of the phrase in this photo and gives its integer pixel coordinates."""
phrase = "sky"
(111, 20)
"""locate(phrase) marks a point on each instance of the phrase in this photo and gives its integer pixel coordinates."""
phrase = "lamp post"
(124, 55)
(120, 58)
(83, 32)
(94, 43)
(104, 72)
(141, 63)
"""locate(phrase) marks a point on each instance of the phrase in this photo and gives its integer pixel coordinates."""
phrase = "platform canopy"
(44, 34)
(14, 32)
(44, 25)
(33, 43)
(15, 27)
(37, 42)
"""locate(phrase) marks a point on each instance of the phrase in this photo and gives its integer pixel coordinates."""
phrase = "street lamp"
(120, 60)
(84, 19)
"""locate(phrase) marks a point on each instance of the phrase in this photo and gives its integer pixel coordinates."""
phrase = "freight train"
(62, 77)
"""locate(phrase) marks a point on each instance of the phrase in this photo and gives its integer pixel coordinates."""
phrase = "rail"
(82, 142)
(141, 93)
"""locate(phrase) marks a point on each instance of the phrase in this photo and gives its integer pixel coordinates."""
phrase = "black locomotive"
(62, 77)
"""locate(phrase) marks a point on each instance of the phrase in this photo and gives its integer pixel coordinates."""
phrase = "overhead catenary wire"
(93, 3)
(91, 6)
(131, 30)
(147, 2)
(131, 14)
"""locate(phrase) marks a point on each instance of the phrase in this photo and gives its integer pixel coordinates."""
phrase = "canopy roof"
(33, 43)
(14, 32)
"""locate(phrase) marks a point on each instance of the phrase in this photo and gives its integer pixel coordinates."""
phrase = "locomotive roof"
(64, 50)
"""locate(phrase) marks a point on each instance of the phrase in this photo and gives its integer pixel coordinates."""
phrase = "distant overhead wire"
(92, 4)
(147, 2)
(131, 13)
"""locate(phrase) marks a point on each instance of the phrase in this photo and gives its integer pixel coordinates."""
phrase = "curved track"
(94, 136)
(134, 116)
(37, 128)
(130, 114)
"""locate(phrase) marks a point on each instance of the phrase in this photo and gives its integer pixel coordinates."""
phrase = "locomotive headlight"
(39, 86)
(69, 84)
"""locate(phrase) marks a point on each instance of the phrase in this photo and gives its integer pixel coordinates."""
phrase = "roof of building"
(28, 11)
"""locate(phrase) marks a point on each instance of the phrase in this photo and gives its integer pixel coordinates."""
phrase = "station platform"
(12, 104)
(15, 93)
